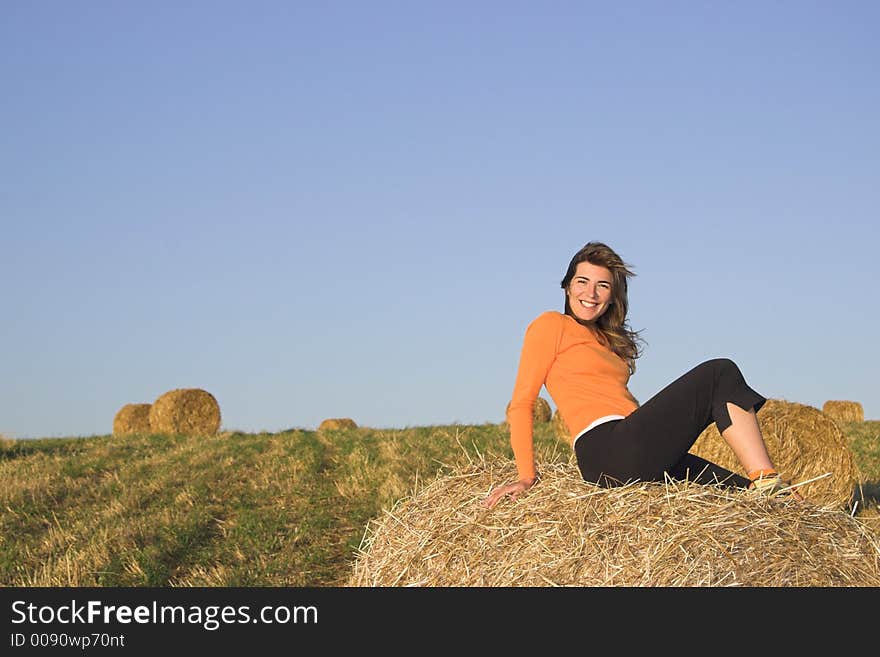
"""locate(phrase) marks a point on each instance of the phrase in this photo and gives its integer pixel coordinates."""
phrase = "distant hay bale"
(542, 410)
(132, 419)
(190, 411)
(337, 423)
(568, 532)
(844, 411)
(540, 415)
(803, 443)
(560, 429)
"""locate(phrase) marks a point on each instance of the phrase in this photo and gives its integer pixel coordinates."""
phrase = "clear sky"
(354, 209)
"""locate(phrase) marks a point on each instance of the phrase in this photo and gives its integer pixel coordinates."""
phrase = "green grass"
(282, 509)
(864, 440)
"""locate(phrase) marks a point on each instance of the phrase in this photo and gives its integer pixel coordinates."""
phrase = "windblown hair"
(611, 328)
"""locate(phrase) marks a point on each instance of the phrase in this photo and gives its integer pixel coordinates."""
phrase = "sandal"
(769, 484)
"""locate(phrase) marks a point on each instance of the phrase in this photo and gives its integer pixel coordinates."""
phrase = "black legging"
(655, 438)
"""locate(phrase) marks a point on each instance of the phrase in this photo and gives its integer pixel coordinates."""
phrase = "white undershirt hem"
(596, 423)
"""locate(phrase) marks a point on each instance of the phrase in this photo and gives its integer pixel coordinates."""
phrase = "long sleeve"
(538, 353)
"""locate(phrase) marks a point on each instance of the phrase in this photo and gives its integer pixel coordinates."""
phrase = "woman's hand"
(513, 490)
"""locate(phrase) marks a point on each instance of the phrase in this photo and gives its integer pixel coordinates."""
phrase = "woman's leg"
(745, 439)
(655, 438)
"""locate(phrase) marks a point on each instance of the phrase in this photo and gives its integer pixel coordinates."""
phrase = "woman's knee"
(721, 365)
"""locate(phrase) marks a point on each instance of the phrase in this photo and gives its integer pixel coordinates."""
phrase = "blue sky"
(348, 209)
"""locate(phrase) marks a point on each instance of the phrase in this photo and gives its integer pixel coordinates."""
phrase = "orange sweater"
(586, 380)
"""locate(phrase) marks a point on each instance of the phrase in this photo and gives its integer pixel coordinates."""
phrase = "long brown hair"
(611, 328)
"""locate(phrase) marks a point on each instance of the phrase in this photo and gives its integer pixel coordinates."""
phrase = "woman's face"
(589, 293)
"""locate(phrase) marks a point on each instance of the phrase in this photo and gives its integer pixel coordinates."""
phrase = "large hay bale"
(565, 531)
(844, 411)
(131, 419)
(190, 411)
(541, 413)
(803, 443)
(337, 423)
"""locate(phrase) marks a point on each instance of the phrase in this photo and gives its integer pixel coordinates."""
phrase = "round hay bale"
(189, 411)
(560, 428)
(337, 423)
(803, 443)
(567, 532)
(131, 419)
(541, 413)
(542, 410)
(844, 411)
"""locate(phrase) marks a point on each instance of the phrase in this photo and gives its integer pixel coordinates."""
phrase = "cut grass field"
(236, 509)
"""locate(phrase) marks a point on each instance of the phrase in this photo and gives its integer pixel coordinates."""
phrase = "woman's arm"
(538, 353)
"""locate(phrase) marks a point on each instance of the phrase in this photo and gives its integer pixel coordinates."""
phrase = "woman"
(585, 358)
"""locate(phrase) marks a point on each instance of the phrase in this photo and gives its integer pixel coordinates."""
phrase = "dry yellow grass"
(803, 443)
(844, 411)
(566, 532)
(123, 514)
(189, 411)
(132, 418)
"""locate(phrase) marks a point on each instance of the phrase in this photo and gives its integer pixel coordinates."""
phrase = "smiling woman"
(589, 293)
(585, 357)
